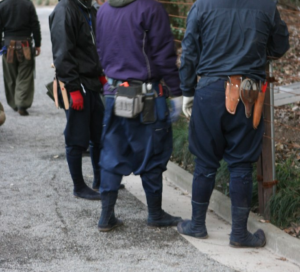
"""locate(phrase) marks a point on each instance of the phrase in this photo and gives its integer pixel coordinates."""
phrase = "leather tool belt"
(249, 92)
(22, 49)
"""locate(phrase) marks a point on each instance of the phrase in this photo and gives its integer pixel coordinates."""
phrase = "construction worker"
(226, 43)
(19, 22)
(136, 49)
(72, 25)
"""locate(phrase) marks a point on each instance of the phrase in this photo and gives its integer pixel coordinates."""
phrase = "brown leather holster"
(248, 95)
(232, 93)
(26, 50)
(19, 51)
(249, 92)
(11, 52)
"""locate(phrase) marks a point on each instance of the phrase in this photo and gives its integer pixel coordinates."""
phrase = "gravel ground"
(44, 228)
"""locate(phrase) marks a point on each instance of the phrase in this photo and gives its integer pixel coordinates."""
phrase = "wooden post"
(265, 165)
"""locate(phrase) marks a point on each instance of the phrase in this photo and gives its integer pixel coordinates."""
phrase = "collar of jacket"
(87, 4)
(119, 3)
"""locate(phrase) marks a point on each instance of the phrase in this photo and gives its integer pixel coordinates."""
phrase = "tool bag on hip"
(22, 50)
(129, 101)
(247, 90)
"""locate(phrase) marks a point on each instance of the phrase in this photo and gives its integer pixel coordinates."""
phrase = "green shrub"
(285, 204)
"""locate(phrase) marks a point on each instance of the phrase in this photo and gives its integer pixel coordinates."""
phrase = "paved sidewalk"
(178, 201)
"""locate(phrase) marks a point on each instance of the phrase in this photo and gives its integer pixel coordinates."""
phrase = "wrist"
(102, 80)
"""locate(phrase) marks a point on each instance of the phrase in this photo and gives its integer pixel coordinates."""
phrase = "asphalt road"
(44, 228)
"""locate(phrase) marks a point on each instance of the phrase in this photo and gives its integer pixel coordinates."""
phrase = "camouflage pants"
(18, 82)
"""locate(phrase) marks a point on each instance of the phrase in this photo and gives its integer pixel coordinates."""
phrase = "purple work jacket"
(135, 42)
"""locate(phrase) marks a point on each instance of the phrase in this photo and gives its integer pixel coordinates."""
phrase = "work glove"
(187, 105)
(176, 105)
(102, 80)
(77, 100)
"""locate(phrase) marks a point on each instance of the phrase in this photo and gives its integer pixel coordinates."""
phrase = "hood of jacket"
(119, 3)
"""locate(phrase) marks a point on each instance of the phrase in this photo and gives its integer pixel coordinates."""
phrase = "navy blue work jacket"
(232, 37)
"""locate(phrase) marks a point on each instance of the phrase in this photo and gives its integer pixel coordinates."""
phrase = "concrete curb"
(277, 240)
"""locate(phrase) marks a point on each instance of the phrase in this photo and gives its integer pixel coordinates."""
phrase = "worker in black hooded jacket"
(72, 25)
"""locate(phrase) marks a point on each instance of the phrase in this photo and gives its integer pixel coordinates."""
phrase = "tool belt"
(22, 48)
(129, 100)
(249, 92)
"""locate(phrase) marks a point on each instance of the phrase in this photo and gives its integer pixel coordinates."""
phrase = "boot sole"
(241, 246)
(87, 198)
(204, 237)
(109, 229)
(163, 226)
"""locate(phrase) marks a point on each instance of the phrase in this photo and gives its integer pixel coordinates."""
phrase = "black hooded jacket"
(18, 19)
(73, 46)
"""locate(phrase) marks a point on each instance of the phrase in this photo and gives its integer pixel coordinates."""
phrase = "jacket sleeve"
(190, 54)
(64, 36)
(35, 27)
(279, 39)
(162, 47)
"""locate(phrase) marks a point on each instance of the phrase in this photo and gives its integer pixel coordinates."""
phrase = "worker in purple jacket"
(136, 49)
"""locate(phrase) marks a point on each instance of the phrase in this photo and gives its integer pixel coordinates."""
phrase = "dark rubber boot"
(195, 227)
(158, 217)
(240, 236)
(107, 220)
(96, 186)
(95, 156)
(81, 190)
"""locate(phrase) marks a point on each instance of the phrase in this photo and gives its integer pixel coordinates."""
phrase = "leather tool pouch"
(129, 101)
(248, 94)
(259, 106)
(26, 50)
(11, 52)
(232, 93)
(19, 51)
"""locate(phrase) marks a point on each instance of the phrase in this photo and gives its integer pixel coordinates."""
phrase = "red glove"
(103, 80)
(77, 100)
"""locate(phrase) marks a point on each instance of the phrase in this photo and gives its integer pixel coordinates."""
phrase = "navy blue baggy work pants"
(215, 134)
(131, 146)
(85, 126)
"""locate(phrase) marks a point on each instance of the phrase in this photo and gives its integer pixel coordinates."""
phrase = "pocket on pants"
(162, 139)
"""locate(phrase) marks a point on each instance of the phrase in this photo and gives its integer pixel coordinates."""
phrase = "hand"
(37, 51)
(187, 106)
(176, 105)
(77, 100)
(103, 80)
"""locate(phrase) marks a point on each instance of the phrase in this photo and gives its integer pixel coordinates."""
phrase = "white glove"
(176, 105)
(187, 105)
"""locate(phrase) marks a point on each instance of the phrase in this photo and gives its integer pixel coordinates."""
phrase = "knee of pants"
(109, 181)
(206, 173)
(152, 181)
(74, 150)
(241, 172)
(94, 144)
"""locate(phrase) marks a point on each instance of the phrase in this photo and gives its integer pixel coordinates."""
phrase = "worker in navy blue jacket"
(226, 43)
(136, 49)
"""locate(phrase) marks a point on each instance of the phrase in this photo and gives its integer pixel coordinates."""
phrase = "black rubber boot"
(195, 227)
(95, 156)
(81, 190)
(240, 236)
(158, 217)
(96, 186)
(107, 220)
